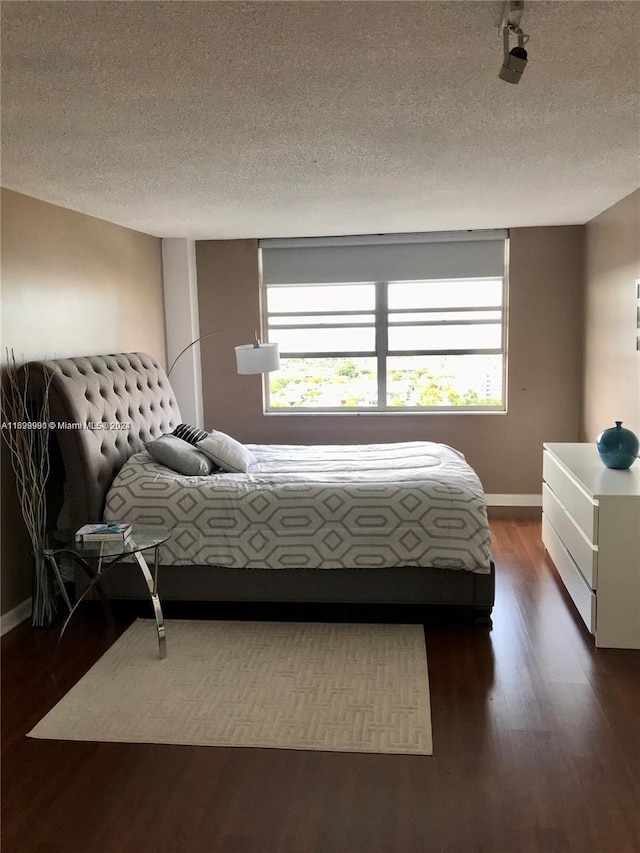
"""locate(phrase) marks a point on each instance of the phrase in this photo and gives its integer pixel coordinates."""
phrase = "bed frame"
(133, 388)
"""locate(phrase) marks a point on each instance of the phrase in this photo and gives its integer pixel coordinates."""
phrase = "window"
(410, 344)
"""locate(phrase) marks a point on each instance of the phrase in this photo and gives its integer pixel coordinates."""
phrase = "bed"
(371, 524)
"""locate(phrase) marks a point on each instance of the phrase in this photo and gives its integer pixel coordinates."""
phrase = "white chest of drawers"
(591, 530)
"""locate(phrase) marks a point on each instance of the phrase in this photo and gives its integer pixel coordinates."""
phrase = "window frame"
(381, 352)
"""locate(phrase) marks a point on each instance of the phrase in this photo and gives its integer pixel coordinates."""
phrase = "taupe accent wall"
(71, 285)
(544, 365)
(612, 362)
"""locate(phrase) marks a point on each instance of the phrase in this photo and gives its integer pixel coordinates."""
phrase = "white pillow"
(226, 452)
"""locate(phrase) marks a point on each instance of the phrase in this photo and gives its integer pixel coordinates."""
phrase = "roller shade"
(391, 257)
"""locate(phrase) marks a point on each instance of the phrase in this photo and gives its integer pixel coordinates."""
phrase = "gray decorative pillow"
(226, 452)
(180, 456)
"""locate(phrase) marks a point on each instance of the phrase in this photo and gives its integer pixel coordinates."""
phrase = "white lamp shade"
(257, 359)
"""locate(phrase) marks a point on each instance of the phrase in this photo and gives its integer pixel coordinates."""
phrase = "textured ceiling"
(232, 119)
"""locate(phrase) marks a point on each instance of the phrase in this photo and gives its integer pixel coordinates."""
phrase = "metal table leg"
(94, 582)
(152, 584)
(63, 589)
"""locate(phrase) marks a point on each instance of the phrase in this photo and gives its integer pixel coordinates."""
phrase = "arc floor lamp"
(255, 357)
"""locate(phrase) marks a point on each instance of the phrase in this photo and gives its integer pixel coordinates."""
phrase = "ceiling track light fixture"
(515, 60)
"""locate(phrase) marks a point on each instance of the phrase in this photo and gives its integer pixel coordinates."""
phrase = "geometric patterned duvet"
(325, 507)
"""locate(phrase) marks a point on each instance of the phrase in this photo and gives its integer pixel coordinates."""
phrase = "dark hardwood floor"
(536, 748)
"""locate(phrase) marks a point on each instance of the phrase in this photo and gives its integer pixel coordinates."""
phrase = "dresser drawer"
(577, 503)
(583, 597)
(583, 552)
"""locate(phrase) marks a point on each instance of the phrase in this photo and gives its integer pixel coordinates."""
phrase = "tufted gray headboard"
(108, 390)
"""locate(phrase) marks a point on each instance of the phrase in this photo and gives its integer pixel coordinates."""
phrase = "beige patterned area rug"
(284, 685)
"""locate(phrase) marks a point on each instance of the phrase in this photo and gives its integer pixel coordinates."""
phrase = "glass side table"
(96, 558)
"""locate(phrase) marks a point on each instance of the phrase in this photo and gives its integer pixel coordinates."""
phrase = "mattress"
(324, 507)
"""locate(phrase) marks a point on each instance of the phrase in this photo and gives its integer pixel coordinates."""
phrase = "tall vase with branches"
(25, 429)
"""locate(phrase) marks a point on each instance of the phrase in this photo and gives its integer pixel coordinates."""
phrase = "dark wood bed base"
(133, 388)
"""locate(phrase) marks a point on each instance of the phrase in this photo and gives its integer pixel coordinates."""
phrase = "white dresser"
(591, 530)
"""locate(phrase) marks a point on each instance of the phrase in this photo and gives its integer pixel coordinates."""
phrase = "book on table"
(108, 531)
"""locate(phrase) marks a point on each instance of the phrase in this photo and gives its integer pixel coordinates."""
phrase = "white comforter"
(376, 505)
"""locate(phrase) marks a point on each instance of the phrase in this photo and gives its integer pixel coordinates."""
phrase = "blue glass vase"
(618, 447)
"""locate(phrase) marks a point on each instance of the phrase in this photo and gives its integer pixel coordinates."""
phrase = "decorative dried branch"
(25, 429)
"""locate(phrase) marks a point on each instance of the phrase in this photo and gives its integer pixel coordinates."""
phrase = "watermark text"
(72, 425)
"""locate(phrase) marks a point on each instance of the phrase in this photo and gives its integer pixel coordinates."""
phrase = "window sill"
(403, 412)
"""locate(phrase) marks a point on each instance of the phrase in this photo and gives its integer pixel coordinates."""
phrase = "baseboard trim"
(10, 620)
(514, 500)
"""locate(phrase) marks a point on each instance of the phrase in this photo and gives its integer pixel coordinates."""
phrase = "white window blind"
(391, 257)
